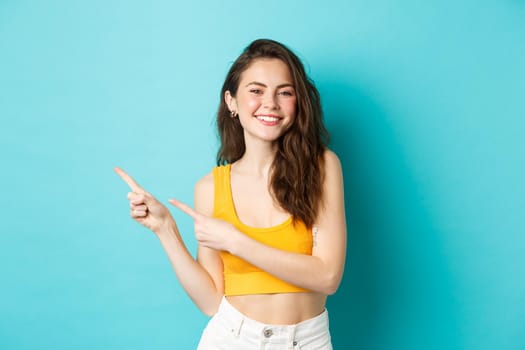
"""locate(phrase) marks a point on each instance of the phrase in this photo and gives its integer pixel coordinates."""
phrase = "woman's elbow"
(209, 310)
(331, 284)
(331, 289)
(211, 307)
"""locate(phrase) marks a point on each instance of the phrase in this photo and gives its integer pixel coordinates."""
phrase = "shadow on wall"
(397, 291)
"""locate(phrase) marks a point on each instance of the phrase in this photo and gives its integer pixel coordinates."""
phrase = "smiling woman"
(265, 101)
(260, 271)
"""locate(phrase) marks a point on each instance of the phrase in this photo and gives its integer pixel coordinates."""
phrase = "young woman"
(269, 219)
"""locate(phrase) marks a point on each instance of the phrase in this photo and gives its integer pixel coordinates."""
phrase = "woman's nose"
(270, 101)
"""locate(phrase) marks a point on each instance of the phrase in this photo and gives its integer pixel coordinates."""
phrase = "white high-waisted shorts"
(229, 329)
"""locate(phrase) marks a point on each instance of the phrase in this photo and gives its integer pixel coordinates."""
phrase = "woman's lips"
(268, 120)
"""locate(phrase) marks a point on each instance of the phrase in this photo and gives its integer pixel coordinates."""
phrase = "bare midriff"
(281, 308)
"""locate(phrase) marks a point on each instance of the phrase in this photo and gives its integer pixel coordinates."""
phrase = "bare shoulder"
(332, 164)
(205, 183)
(204, 191)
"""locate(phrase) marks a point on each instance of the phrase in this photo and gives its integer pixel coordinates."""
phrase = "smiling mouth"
(268, 118)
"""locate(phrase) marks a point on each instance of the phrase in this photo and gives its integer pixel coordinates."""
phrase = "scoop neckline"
(236, 216)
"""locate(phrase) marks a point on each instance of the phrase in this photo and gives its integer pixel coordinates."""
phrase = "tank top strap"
(222, 203)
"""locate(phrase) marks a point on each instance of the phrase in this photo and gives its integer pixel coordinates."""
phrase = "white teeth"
(267, 118)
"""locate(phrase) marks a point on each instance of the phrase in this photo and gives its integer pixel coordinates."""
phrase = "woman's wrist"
(166, 229)
(236, 241)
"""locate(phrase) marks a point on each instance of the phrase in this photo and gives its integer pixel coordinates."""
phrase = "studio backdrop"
(425, 104)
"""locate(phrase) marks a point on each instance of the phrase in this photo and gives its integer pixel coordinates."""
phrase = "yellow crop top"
(241, 277)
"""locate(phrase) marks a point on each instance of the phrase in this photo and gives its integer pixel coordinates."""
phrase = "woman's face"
(266, 101)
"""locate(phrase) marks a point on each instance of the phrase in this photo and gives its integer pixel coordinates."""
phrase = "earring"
(233, 114)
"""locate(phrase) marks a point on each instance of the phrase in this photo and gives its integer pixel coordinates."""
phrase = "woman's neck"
(257, 159)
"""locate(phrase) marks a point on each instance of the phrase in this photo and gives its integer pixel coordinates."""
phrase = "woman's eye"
(286, 93)
(256, 91)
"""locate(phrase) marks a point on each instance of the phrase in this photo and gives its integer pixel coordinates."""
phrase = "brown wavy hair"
(297, 171)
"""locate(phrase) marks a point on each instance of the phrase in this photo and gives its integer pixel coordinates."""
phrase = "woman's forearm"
(306, 271)
(195, 280)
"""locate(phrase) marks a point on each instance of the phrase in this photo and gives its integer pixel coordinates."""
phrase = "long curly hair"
(297, 171)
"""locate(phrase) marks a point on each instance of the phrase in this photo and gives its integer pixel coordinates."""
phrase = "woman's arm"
(323, 270)
(320, 272)
(195, 279)
(193, 276)
(209, 258)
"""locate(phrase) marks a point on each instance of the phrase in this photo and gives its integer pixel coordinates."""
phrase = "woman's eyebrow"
(264, 85)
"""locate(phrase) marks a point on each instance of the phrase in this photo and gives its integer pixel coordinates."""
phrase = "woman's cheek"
(291, 108)
(253, 104)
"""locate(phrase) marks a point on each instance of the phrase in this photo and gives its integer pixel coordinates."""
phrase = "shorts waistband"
(238, 322)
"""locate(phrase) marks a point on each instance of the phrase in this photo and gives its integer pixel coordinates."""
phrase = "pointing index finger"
(185, 208)
(135, 187)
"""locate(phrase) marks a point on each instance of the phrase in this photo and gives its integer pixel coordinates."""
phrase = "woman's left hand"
(210, 232)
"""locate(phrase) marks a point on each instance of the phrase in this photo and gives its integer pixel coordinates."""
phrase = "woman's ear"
(230, 101)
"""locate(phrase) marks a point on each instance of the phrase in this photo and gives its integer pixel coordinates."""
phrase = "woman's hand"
(144, 208)
(210, 232)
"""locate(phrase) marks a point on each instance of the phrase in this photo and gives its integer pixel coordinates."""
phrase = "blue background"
(425, 102)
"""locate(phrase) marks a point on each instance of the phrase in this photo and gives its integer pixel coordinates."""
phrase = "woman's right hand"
(145, 208)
